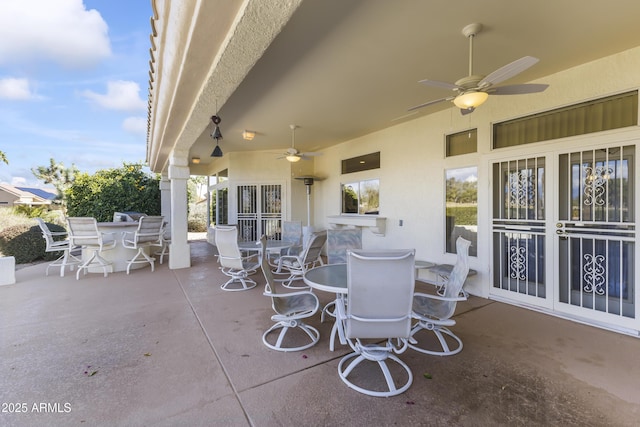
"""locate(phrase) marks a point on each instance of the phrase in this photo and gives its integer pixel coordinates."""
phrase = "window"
(361, 163)
(219, 188)
(462, 143)
(612, 112)
(462, 208)
(361, 197)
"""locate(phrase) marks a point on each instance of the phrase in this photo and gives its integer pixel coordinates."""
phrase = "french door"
(563, 228)
(596, 233)
(259, 211)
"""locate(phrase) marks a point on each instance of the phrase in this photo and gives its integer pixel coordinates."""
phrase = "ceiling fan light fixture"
(293, 158)
(470, 100)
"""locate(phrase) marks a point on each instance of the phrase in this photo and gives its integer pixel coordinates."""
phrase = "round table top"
(118, 224)
(333, 277)
(271, 245)
(328, 278)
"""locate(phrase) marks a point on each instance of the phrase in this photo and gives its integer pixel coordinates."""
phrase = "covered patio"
(171, 348)
(552, 214)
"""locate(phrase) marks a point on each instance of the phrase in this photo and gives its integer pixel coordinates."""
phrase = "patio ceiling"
(341, 69)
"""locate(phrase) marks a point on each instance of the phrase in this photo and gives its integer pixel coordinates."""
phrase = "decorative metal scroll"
(518, 264)
(594, 274)
(521, 189)
(595, 182)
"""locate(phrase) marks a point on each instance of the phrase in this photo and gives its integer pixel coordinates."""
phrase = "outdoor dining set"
(107, 246)
(377, 311)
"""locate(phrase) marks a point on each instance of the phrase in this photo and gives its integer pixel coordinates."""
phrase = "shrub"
(26, 244)
(196, 225)
(44, 212)
(9, 218)
(114, 190)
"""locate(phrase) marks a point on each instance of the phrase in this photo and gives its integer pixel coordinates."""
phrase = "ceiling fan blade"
(310, 154)
(436, 101)
(508, 71)
(436, 83)
(518, 89)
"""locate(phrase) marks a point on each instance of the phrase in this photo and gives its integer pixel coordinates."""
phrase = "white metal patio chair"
(148, 235)
(292, 234)
(84, 233)
(434, 312)
(290, 308)
(380, 290)
(60, 245)
(232, 263)
(296, 265)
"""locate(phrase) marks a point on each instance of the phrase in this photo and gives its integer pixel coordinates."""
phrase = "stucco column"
(165, 198)
(180, 252)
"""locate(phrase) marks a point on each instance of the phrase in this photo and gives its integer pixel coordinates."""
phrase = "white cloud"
(135, 125)
(18, 89)
(18, 181)
(61, 30)
(121, 95)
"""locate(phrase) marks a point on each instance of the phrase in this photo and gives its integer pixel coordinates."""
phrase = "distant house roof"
(10, 195)
(44, 194)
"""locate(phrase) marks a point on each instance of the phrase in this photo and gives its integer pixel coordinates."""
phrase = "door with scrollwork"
(596, 234)
(259, 211)
(519, 235)
(565, 241)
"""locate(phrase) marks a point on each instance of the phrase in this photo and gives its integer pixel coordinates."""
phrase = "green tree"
(57, 175)
(107, 191)
(3, 157)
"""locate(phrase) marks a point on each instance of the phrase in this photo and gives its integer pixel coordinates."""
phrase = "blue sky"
(73, 84)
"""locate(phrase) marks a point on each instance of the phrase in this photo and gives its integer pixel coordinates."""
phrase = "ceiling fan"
(292, 154)
(473, 90)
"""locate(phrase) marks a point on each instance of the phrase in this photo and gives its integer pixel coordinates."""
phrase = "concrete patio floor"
(170, 348)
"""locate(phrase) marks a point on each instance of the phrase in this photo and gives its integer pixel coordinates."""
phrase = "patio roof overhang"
(341, 70)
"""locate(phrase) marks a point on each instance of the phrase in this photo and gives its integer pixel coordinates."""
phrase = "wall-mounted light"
(248, 135)
(195, 160)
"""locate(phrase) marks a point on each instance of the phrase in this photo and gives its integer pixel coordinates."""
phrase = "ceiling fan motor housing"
(469, 83)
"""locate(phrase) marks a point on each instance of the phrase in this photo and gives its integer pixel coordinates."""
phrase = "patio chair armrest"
(255, 256)
(439, 297)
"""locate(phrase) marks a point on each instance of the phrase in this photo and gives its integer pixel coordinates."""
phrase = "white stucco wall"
(413, 164)
(412, 172)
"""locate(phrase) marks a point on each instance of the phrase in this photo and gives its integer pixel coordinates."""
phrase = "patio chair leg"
(147, 258)
(84, 266)
(438, 331)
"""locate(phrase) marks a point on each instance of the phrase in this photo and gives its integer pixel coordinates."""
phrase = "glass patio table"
(330, 278)
(333, 278)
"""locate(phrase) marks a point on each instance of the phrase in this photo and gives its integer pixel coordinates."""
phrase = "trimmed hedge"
(464, 215)
(26, 244)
